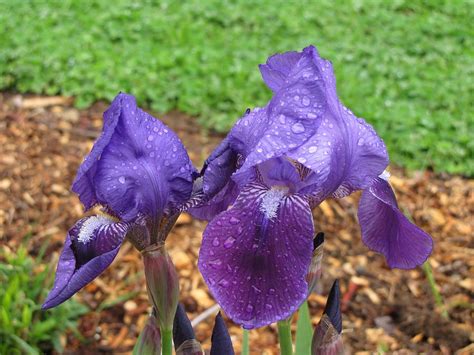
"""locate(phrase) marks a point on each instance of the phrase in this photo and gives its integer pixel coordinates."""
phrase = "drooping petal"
(91, 246)
(137, 166)
(255, 256)
(386, 230)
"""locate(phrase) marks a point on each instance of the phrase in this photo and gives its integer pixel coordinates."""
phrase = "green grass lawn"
(405, 66)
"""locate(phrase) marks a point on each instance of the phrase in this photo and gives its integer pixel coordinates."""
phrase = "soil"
(43, 141)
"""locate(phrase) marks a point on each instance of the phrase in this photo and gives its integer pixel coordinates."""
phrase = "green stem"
(284, 333)
(434, 290)
(245, 342)
(166, 342)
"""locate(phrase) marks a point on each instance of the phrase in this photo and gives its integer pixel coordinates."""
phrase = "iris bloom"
(276, 165)
(140, 173)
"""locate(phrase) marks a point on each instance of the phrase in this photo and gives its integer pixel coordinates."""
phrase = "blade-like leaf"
(304, 331)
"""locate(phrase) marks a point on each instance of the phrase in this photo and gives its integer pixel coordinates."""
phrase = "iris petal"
(386, 230)
(91, 246)
(137, 166)
(256, 265)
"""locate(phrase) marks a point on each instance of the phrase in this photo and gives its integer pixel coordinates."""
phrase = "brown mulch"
(42, 142)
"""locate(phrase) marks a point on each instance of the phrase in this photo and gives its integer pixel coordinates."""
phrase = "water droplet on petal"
(311, 115)
(155, 129)
(150, 137)
(229, 242)
(306, 101)
(360, 141)
(301, 160)
(224, 283)
(249, 308)
(152, 154)
(312, 149)
(297, 128)
(122, 179)
(215, 242)
(268, 306)
(234, 220)
(282, 119)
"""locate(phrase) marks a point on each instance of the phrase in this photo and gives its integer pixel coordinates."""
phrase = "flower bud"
(149, 341)
(314, 273)
(221, 343)
(162, 284)
(183, 335)
(327, 339)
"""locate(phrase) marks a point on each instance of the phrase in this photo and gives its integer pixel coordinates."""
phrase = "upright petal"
(255, 256)
(345, 155)
(278, 68)
(386, 230)
(91, 246)
(137, 166)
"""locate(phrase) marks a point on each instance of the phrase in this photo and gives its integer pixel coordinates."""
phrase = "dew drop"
(234, 220)
(306, 101)
(122, 179)
(360, 141)
(301, 160)
(215, 242)
(152, 154)
(249, 308)
(150, 137)
(268, 306)
(312, 149)
(224, 283)
(229, 242)
(282, 119)
(311, 115)
(297, 128)
(155, 129)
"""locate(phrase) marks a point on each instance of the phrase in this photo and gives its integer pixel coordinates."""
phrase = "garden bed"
(42, 143)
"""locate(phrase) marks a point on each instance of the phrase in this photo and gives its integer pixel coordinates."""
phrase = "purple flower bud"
(327, 339)
(221, 343)
(162, 283)
(183, 334)
(149, 341)
(182, 328)
(314, 273)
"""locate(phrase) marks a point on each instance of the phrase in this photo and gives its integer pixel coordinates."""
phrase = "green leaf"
(304, 331)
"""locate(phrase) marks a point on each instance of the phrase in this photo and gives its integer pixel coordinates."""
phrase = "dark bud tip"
(318, 240)
(220, 339)
(333, 307)
(182, 328)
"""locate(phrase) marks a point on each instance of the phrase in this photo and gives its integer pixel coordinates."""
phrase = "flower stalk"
(284, 335)
(163, 290)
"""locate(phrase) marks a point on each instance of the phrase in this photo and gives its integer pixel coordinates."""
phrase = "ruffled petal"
(386, 230)
(255, 256)
(90, 247)
(139, 166)
(277, 68)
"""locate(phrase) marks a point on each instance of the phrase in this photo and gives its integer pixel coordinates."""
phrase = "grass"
(24, 327)
(405, 66)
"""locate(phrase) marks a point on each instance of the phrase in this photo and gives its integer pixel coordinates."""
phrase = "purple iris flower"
(140, 173)
(276, 165)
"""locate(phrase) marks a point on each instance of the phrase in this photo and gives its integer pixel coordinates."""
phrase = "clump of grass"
(24, 327)
(404, 66)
